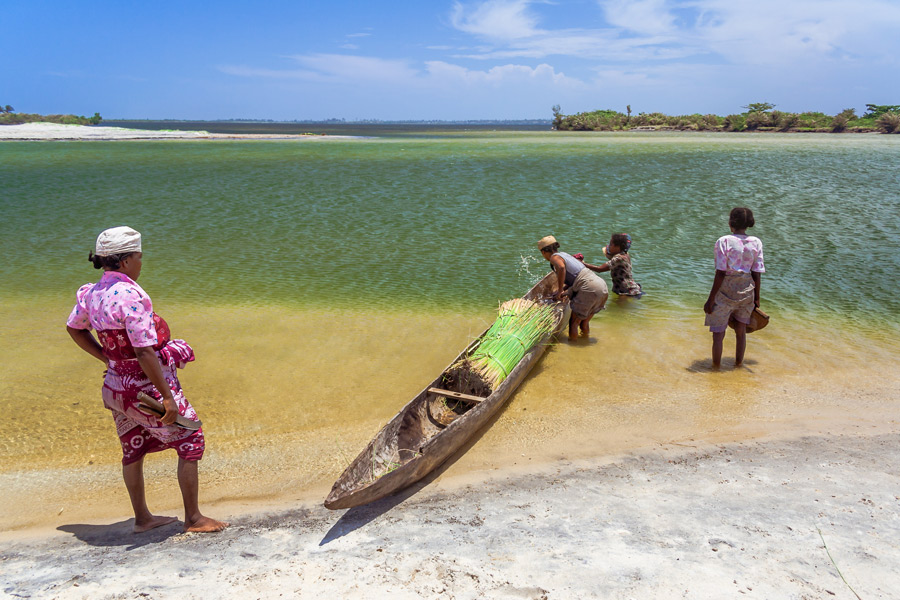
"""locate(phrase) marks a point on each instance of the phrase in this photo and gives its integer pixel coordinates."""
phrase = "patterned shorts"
(734, 301)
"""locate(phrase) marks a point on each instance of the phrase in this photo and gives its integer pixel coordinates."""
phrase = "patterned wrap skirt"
(139, 432)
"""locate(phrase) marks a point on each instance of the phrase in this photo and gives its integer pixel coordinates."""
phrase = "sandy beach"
(810, 517)
(54, 131)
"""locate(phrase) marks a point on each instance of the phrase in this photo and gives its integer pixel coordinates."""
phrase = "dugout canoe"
(436, 423)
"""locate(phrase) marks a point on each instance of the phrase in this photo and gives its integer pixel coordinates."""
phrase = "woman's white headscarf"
(118, 240)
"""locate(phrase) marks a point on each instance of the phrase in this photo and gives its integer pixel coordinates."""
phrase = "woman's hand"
(150, 364)
(171, 410)
(709, 306)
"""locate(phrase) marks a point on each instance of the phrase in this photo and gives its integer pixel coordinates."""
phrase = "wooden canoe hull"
(367, 479)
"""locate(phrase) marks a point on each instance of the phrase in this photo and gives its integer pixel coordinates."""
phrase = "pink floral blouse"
(115, 302)
(739, 254)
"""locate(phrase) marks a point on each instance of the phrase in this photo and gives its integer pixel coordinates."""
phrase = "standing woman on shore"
(735, 290)
(135, 345)
(587, 291)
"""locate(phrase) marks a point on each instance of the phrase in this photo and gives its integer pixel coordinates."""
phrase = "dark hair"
(554, 247)
(621, 240)
(111, 262)
(741, 218)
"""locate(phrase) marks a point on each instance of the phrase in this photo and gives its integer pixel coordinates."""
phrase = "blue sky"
(499, 59)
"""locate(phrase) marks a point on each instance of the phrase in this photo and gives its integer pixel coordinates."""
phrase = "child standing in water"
(735, 290)
(619, 266)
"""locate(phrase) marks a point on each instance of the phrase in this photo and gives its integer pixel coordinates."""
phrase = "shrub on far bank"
(735, 123)
(11, 118)
(839, 123)
(755, 120)
(889, 122)
(816, 120)
(787, 121)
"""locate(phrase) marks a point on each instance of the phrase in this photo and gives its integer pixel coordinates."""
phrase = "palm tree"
(8, 109)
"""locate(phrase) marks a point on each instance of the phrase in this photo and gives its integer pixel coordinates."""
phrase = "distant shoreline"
(296, 131)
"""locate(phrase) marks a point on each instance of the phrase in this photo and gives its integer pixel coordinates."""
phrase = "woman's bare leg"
(740, 331)
(574, 322)
(188, 480)
(718, 338)
(144, 520)
(586, 326)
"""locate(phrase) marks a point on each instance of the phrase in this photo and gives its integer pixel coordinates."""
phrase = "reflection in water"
(288, 397)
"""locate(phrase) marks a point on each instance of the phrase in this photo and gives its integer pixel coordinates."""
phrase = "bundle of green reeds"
(519, 326)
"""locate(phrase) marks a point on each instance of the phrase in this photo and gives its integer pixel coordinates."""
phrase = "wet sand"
(810, 517)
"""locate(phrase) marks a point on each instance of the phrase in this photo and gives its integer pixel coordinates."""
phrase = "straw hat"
(546, 241)
(758, 320)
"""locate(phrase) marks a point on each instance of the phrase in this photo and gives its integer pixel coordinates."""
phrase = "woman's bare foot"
(152, 523)
(204, 525)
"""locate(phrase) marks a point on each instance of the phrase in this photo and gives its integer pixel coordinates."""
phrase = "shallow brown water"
(289, 396)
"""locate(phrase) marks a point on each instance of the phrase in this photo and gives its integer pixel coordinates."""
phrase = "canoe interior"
(432, 425)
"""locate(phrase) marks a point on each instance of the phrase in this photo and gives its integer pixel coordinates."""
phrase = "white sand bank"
(744, 520)
(54, 131)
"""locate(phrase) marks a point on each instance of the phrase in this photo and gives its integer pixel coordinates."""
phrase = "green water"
(450, 221)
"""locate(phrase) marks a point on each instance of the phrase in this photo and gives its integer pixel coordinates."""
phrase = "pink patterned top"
(739, 254)
(115, 302)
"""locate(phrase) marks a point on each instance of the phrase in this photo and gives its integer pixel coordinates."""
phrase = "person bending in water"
(735, 289)
(619, 266)
(587, 292)
(136, 348)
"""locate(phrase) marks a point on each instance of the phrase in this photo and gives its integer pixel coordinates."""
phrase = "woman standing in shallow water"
(735, 290)
(135, 345)
(587, 292)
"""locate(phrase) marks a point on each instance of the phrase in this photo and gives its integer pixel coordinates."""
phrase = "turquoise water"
(450, 221)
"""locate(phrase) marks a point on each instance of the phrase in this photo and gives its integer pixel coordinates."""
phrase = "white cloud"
(434, 77)
(335, 68)
(350, 68)
(496, 19)
(651, 17)
(542, 74)
(590, 45)
(740, 32)
(774, 32)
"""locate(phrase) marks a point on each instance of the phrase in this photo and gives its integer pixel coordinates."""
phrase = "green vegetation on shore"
(9, 117)
(759, 116)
